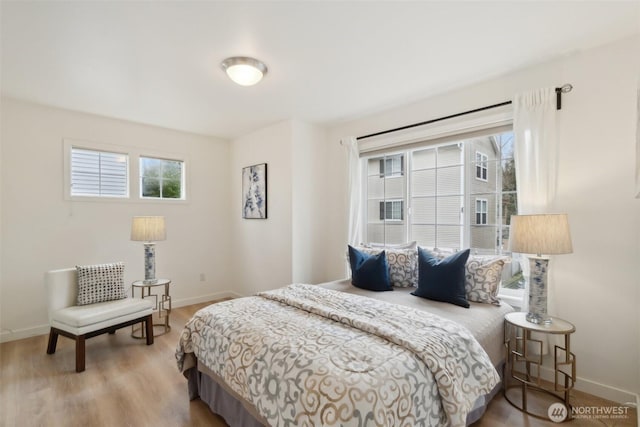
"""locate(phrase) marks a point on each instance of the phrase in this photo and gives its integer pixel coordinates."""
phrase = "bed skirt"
(237, 413)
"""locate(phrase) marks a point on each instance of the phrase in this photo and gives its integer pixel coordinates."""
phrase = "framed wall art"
(254, 191)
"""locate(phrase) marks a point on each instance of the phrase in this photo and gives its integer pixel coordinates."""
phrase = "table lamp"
(539, 234)
(148, 229)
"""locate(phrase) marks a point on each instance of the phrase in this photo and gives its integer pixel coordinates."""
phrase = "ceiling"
(157, 62)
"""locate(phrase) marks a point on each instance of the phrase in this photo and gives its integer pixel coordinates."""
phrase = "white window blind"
(99, 173)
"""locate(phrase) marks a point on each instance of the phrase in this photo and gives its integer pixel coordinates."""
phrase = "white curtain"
(535, 151)
(354, 189)
(535, 154)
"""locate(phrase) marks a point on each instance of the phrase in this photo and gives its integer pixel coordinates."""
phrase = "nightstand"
(522, 372)
(162, 305)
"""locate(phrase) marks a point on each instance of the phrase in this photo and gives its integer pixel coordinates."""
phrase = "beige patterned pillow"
(403, 265)
(483, 275)
(100, 282)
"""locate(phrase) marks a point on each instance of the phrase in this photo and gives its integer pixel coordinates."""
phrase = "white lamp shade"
(547, 234)
(243, 70)
(148, 228)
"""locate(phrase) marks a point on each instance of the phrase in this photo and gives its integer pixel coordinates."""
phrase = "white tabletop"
(158, 282)
(557, 325)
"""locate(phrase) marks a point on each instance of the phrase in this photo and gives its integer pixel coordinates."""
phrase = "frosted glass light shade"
(148, 229)
(243, 70)
(547, 234)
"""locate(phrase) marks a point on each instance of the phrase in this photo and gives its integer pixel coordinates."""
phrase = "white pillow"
(100, 282)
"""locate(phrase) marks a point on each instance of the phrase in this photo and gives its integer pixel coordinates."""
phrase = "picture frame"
(254, 191)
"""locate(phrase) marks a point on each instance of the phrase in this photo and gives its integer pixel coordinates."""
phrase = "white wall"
(308, 207)
(262, 247)
(598, 286)
(287, 247)
(42, 231)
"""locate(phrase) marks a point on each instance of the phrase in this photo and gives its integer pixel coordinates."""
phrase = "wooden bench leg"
(80, 353)
(148, 323)
(53, 341)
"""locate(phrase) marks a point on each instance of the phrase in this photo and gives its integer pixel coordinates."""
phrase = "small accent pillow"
(442, 279)
(482, 278)
(100, 282)
(369, 272)
(403, 265)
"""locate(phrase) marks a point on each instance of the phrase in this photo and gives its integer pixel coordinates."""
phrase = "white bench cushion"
(86, 316)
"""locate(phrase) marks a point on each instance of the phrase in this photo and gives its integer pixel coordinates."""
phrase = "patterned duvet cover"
(308, 356)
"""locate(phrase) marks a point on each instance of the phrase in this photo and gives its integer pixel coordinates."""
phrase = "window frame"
(484, 210)
(133, 173)
(161, 178)
(392, 202)
(392, 158)
(481, 166)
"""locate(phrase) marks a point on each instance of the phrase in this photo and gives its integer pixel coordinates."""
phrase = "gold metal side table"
(524, 363)
(162, 304)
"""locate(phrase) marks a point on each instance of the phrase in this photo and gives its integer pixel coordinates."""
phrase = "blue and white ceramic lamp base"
(538, 291)
(150, 263)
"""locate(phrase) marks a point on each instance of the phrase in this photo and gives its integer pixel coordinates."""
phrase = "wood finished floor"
(127, 383)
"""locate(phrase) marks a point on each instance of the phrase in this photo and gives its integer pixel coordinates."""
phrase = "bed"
(335, 354)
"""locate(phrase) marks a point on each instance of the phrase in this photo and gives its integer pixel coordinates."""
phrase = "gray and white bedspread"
(308, 356)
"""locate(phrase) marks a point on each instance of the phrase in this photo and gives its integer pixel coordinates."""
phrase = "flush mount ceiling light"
(244, 70)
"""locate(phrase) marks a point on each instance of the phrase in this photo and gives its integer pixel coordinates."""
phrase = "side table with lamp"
(538, 234)
(151, 229)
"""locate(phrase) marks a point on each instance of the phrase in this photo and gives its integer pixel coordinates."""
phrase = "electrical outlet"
(202, 277)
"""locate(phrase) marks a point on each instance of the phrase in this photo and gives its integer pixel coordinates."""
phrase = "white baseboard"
(18, 334)
(595, 388)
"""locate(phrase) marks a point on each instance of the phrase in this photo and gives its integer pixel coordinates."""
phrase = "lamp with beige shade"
(547, 234)
(148, 229)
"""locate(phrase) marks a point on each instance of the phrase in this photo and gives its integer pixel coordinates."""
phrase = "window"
(161, 178)
(438, 202)
(481, 211)
(392, 210)
(97, 173)
(481, 166)
(392, 166)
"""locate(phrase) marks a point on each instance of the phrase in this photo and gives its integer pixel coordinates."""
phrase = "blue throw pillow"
(442, 280)
(369, 272)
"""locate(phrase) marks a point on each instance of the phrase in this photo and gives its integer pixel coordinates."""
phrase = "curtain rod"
(559, 91)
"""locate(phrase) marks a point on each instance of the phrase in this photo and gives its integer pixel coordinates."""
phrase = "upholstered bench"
(80, 322)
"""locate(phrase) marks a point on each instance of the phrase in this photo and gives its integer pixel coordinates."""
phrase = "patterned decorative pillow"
(482, 278)
(403, 265)
(100, 282)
